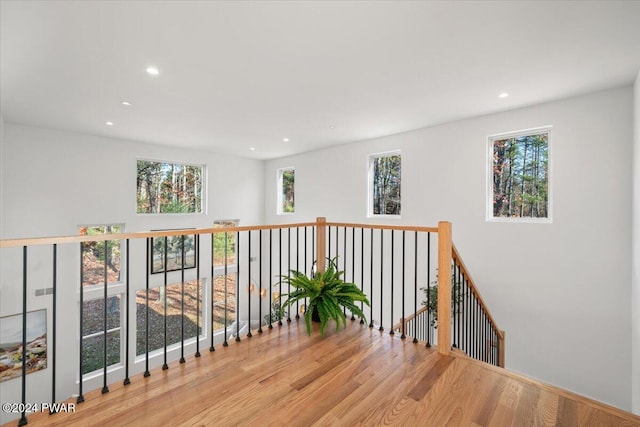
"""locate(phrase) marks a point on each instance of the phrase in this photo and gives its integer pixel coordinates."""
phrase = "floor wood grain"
(355, 377)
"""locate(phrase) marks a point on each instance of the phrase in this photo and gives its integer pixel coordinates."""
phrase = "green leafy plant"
(277, 313)
(431, 295)
(327, 293)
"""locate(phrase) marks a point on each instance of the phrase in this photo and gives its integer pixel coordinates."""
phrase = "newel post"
(445, 248)
(501, 349)
(321, 243)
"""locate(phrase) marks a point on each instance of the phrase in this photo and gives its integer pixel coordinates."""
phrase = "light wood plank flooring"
(355, 377)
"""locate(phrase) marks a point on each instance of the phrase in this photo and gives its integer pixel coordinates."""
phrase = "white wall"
(635, 301)
(54, 181)
(561, 291)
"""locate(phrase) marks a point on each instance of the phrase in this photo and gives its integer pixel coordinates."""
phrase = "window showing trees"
(225, 274)
(181, 253)
(519, 176)
(95, 255)
(164, 187)
(286, 190)
(384, 184)
(100, 259)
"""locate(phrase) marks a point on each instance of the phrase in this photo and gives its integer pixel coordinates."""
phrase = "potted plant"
(327, 294)
(431, 295)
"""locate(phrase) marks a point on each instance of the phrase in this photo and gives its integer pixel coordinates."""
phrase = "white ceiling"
(235, 75)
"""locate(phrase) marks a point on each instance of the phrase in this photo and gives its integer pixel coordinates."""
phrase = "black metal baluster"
(165, 365)
(23, 417)
(371, 281)
(289, 270)
(479, 314)
(105, 388)
(328, 243)
(483, 340)
(403, 336)
(313, 243)
(127, 381)
(415, 285)
(494, 341)
(182, 360)
(280, 276)
(226, 306)
(344, 258)
(198, 295)
(498, 361)
(391, 332)
(54, 326)
(353, 260)
(475, 328)
(249, 290)
(146, 310)
(486, 338)
(305, 264)
(362, 270)
(454, 308)
(428, 320)
(381, 328)
(213, 289)
(468, 315)
(270, 276)
(260, 282)
(297, 264)
(337, 242)
(453, 276)
(238, 257)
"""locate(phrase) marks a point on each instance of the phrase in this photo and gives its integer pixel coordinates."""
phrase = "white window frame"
(279, 186)
(370, 175)
(489, 176)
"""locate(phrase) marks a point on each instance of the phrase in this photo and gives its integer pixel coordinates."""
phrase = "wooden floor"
(357, 376)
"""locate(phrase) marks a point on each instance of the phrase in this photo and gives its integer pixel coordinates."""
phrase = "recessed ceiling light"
(252, 148)
(332, 127)
(109, 123)
(503, 95)
(153, 71)
(285, 139)
(126, 103)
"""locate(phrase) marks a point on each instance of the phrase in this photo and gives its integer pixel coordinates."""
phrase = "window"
(94, 256)
(518, 181)
(224, 286)
(384, 184)
(286, 191)
(93, 333)
(174, 260)
(164, 187)
(192, 320)
(98, 259)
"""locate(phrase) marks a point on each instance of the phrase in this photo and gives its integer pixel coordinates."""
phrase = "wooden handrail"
(35, 241)
(408, 319)
(384, 227)
(8, 243)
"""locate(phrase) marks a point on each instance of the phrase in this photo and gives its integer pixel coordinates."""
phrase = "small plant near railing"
(327, 293)
(431, 298)
(277, 313)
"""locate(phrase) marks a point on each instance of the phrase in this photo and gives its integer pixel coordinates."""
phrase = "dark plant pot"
(315, 316)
